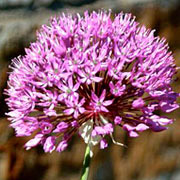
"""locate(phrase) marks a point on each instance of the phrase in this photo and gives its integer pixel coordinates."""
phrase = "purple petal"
(133, 134)
(141, 127)
(155, 126)
(46, 127)
(63, 87)
(76, 114)
(49, 144)
(62, 146)
(158, 128)
(107, 103)
(81, 73)
(61, 97)
(34, 142)
(96, 79)
(102, 97)
(61, 127)
(103, 144)
(82, 101)
(87, 69)
(74, 124)
(81, 110)
(70, 82)
(111, 85)
(99, 130)
(76, 87)
(97, 68)
(104, 109)
(108, 128)
(117, 120)
(165, 121)
(128, 127)
(69, 111)
(50, 112)
(83, 80)
(94, 97)
(94, 133)
(161, 120)
(167, 107)
(138, 103)
(88, 81)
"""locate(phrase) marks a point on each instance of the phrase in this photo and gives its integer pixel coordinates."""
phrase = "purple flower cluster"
(87, 75)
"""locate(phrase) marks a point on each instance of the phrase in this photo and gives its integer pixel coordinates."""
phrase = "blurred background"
(152, 156)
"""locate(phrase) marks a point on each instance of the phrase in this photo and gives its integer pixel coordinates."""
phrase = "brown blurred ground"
(152, 156)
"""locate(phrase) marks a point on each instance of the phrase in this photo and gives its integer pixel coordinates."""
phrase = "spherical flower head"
(87, 75)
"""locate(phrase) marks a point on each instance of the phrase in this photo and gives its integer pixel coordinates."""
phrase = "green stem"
(86, 164)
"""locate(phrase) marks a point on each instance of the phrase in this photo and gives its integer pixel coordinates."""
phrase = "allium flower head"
(87, 75)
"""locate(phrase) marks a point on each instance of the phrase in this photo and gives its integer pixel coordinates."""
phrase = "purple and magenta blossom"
(68, 90)
(103, 144)
(74, 106)
(117, 120)
(102, 130)
(98, 104)
(87, 75)
(138, 103)
(62, 146)
(49, 144)
(34, 142)
(117, 90)
(61, 127)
